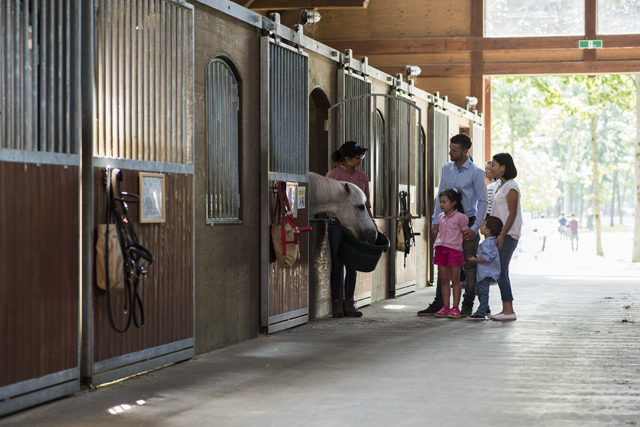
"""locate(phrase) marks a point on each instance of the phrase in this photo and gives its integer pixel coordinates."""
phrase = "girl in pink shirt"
(448, 249)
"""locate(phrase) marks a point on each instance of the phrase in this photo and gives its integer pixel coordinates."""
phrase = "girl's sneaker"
(444, 312)
(454, 313)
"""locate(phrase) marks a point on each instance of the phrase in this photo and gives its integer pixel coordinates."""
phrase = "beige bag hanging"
(292, 249)
(116, 261)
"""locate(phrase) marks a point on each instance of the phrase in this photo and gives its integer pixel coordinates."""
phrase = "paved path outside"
(571, 359)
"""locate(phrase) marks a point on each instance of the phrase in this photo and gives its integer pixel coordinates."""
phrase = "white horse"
(344, 201)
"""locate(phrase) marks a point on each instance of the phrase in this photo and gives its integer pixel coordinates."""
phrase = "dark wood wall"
(39, 270)
(228, 255)
(167, 291)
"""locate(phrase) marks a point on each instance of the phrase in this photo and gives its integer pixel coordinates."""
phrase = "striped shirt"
(491, 189)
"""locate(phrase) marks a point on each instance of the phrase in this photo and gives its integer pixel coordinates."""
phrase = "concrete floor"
(571, 359)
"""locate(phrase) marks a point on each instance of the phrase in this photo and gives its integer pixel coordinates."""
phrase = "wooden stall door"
(166, 291)
(288, 303)
(39, 286)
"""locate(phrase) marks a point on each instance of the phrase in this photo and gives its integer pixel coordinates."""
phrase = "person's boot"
(336, 306)
(350, 309)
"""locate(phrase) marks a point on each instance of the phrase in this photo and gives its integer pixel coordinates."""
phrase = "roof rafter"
(468, 44)
(308, 4)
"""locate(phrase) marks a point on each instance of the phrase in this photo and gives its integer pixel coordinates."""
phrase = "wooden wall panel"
(289, 287)
(533, 55)
(167, 291)
(418, 58)
(617, 54)
(39, 270)
(409, 19)
(456, 88)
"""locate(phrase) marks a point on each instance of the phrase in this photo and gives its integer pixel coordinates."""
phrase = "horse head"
(345, 201)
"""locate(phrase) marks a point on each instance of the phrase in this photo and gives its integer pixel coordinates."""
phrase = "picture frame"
(152, 197)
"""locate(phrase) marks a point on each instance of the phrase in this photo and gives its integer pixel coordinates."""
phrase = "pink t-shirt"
(358, 178)
(450, 230)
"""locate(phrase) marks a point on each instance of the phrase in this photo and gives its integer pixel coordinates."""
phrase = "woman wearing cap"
(348, 158)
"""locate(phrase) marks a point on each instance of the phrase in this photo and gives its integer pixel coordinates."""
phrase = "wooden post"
(590, 23)
(477, 54)
(487, 119)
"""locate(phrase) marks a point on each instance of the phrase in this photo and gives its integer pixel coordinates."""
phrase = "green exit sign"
(590, 44)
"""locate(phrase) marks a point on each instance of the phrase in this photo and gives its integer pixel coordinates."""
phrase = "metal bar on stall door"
(135, 29)
(118, 31)
(19, 73)
(27, 143)
(10, 85)
(60, 68)
(68, 80)
(157, 49)
(98, 148)
(3, 65)
(128, 75)
(107, 79)
(162, 54)
(172, 119)
(147, 71)
(226, 167)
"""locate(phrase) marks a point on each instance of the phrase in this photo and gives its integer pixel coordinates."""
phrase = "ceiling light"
(308, 16)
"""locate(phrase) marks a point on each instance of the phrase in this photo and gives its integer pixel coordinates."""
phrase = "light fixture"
(470, 103)
(413, 71)
(308, 16)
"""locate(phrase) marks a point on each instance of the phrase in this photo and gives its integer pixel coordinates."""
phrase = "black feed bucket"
(359, 255)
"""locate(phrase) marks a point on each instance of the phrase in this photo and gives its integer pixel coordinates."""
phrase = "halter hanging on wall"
(136, 257)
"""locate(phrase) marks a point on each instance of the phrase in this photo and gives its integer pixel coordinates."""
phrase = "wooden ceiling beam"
(307, 4)
(518, 68)
(468, 44)
(429, 70)
(561, 68)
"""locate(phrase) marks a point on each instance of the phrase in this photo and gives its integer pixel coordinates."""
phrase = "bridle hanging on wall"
(132, 251)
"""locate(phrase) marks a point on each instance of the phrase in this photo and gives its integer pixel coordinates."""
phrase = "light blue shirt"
(469, 180)
(491, 267)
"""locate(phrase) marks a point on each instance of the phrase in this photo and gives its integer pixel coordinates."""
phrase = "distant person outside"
(573, 228)
(563, 226)
(462, 174)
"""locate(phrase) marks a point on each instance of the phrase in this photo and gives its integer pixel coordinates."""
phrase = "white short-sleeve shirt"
(501, 209)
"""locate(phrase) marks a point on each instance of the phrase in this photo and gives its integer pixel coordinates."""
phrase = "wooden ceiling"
(445, 39)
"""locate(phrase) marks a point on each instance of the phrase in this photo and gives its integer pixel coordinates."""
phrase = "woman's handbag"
(284, 232)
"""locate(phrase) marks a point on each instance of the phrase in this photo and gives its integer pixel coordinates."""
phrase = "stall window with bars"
(223, 106)
(39, 76)
(144, 80)
(378, 160)
(288, 110)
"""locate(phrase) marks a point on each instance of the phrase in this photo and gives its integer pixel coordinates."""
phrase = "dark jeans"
(469, 248)
(504, 282)
(342, 287)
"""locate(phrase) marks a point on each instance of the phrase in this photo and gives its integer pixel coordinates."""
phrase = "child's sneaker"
(475, 316)
(454, 313)
(444, 312)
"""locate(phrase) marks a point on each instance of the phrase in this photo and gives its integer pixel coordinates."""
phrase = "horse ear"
(347, 188)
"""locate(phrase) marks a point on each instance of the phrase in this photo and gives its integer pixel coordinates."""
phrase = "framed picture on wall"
(152, 197)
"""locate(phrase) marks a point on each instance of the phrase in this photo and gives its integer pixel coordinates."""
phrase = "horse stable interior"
(210, 103)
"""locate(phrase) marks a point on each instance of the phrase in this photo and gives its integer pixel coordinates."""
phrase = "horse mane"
(327, 188)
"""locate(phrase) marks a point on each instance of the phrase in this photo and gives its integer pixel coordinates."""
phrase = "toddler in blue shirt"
(488, 260)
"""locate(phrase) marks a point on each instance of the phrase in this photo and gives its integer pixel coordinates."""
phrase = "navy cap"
(351, 149)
